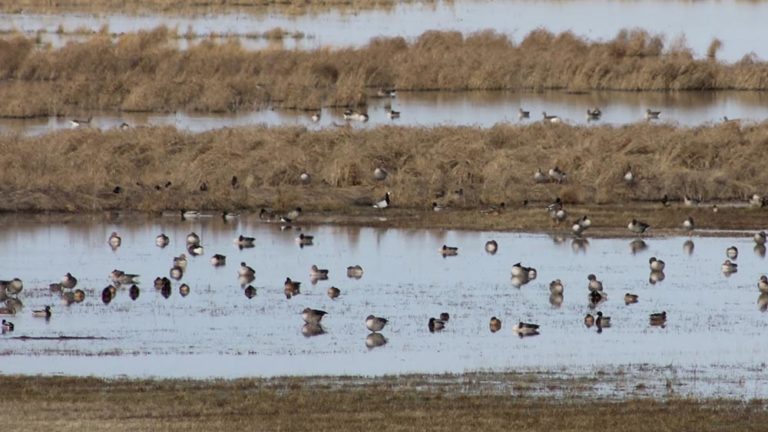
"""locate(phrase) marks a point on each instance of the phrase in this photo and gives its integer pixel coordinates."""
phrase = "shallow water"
(714, 324)
(483, 108)
(740, 24)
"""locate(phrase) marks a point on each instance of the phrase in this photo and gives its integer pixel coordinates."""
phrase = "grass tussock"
(77, 170)
(144, 72)
(342, 405)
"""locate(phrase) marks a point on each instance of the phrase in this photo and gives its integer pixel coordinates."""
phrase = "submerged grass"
(463, 168)
(143, 72)
(343, 404)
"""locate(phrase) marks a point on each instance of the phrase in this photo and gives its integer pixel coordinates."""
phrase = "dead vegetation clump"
(462, 167)
(144, 72)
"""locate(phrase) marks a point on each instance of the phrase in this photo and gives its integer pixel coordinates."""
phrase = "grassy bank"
(142, 72)
(406, 403)
(162, 168)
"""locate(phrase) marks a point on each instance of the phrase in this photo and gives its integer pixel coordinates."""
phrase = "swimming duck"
(637, 226)
(11, 287)
(589, 320)
(757, 201)
(249, 291)
(114, 240)
(437, 207)
(760, 237)
(550, 118)
(556, 287)
(245, 270)
(762, 285)
(374, 323)
(630, 298)
(68, 281)
(444, 317)
(244, 242)
(665, 201)
(312, 316)
(310, 330)
(602, 321)
(355, 272)
(580, 225)
(291, 288)
(491, 246)
(539, 176)
(526, 329)
(385, 92)
(384, 203)
(318, 273)
(78, 296)
(218, 260)
(557, 175)
(333, 292)
(43, 313)
(193, 214)
(133, 292)
(656, 264)
(729, 267)
(294, 214)
(108, 294)
(688, 224)
(658, 318)
(435, 325)
(121, 277)
(495, 324)
(7, 310)
(448, 250)
(8, 326)
(184, 290)
(380, 174)
(393, 114)
(316, 117)
(180, 261)
(305, 240)
(195, 249)
(162, 240)
(230, 216)
(374, 340)
(522, 114)
(267, 215)
(193, 238)
(519, 270)
(593, 114)
(655, 277)
(732, 252)
(76, 123)
(594, 284)
(690, 201)
(652, 115)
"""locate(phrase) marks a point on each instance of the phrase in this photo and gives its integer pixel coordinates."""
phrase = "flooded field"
(741, 29)
(713, 330)
(482, 108)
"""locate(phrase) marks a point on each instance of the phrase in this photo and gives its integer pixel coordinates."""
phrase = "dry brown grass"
(77, 170)
(143, 72)
(323, 404)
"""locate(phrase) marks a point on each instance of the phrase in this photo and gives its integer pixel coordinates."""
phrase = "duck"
(637, 226)
(762, 285)
(589, 320)
(539, 176)
(729, 267)
(159, 282)
(652, 115)
(593, 114)
(656, 277)
(267, 215)
(310, 330)
(243, 241)
(162, 240)
(227, 216)
(76, 123)
(594, 284)
(557, 175)
(291, 288)
(556, 287)
(184, 290)
(250, 291)
(383, 203)
(193, 214)
(658, 318)
(121, 277)
(437, 207)
(195, 249)
(449, 250)
(665, 201)
(491, 246)
(435, 325)
(393, 114)
(558, 216)
(318, 273)
(305, 240)
(757, 201)
(180, 261)
(218, 260)
(522, 114)
(526, 329)
(312, 316)
(629, 176)
(518, 270)
(385, 92)
(760, 238)
(133, 292)
(333, 292)
(42, 313)
(193, 238)
(68, 281)
(495, 324)
(602, 321)
(630, 298)
(732, 252)
(550, 118)
(7, 310)
(114, 240)
(688, 224)
(245, 270)
(374, 323)
(78, 295)
(355, 271)
(690, 201)
(580, 225)
(374, 340)
(380, 174)
(596, 297)
(656, 264)
(316, 117)
(688, 247)
(445, 317)
(8, 326)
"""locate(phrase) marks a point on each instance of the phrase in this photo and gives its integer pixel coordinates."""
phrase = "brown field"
(187, 7)
(143, 72)
(351, 404)
(161, 168)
